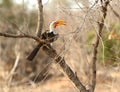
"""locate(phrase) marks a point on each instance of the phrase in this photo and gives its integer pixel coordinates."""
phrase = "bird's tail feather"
(31, 56)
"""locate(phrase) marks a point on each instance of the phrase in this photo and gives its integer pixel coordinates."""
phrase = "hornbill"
(49, 34)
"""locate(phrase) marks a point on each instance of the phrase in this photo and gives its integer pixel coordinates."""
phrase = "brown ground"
(107, 81)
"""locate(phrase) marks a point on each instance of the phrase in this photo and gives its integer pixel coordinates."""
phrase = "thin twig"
(12, 72)
(115, 13)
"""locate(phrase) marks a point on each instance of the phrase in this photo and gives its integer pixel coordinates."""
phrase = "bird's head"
(55, 24)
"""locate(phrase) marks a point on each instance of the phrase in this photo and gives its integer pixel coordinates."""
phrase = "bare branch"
(19, 36)
(104, 6)
(40, 18)
(60, 60)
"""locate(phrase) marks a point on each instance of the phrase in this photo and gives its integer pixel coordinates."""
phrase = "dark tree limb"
(40, 18)
(104, 5)
(60, 60)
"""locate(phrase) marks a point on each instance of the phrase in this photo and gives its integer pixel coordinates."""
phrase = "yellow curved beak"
(60, 23)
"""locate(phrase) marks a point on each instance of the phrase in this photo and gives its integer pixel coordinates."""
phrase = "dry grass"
(108, 80)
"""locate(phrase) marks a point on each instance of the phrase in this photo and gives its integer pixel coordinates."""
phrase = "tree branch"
(20, 36)
(39, 40)
(60, 60)
(40, 18)
(104, 6)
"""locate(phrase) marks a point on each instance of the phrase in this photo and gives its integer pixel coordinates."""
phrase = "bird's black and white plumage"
(50, 35)
(45, 36)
